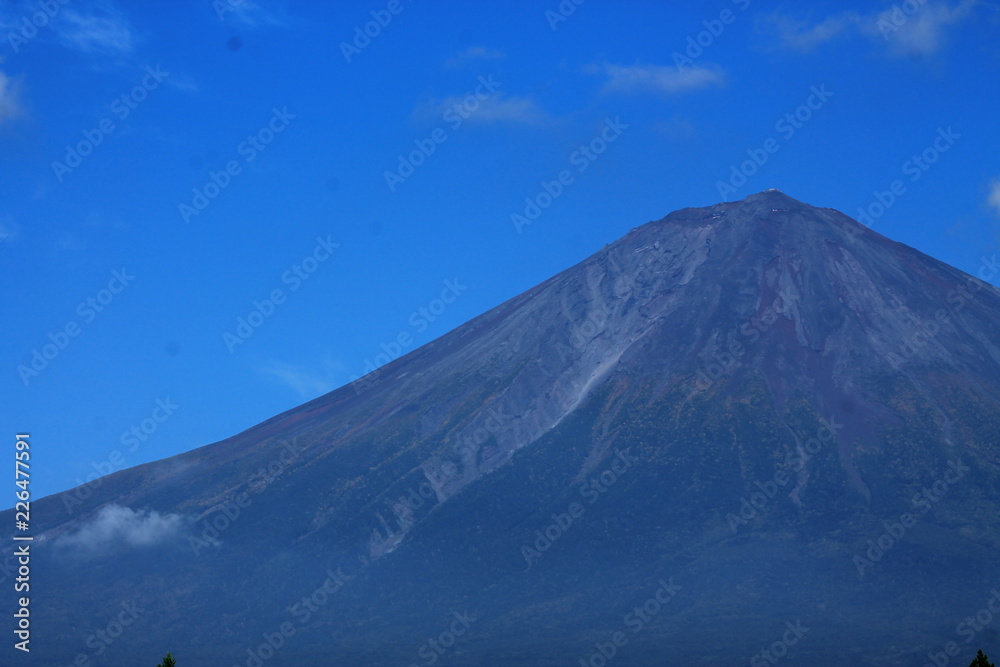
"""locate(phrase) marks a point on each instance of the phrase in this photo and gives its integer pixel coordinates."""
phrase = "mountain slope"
(723, 412)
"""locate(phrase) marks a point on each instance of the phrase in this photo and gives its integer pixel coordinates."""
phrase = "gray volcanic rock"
(752, 426)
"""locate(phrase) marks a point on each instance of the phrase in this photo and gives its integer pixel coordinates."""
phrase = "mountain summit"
(742, 431)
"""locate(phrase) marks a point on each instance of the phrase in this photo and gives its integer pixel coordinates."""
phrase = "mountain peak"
(766, 201)
(758, 205)
(771, 195)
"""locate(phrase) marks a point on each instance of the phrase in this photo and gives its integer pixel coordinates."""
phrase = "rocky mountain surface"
(748, 432)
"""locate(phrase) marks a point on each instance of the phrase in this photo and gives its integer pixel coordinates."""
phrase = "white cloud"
(474, 53)
(117, 525)
(250, 14)
(182, 83)
(9, 230)
(661, 79)
(70, 242)
(90, 26)
(994, 196)
(99, 28)
(10, 98)
(920, 32)
(803, 34)
(675, 128)
(308, 382)
(495, 108)
(483, 52)
(508, 108)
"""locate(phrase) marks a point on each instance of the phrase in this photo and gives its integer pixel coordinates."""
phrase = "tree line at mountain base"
(980, 661)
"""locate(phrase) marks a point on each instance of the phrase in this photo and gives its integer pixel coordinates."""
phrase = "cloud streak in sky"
(307, 382)
(98, 29)
(10, 99)
(661, 79)
(474, 53)
(921, 32)
(495, 108)
(993, 198)
(806, 35)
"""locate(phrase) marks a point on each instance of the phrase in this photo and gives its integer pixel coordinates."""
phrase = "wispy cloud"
(920, 32)
(496, 108)
(67, 241)
(10, 99)
(252, 15)
(183, 83)
(662, 79)
(9, 230)
(805, 34)
(116, 525)
(307, 382)
(994, 196)
(675, 128)
(94, 27)
(98, 28)
(474, 53)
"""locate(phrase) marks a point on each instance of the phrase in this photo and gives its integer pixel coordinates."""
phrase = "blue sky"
(171, 167)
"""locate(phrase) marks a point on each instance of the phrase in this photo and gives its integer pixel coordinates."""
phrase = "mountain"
(745, 433)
